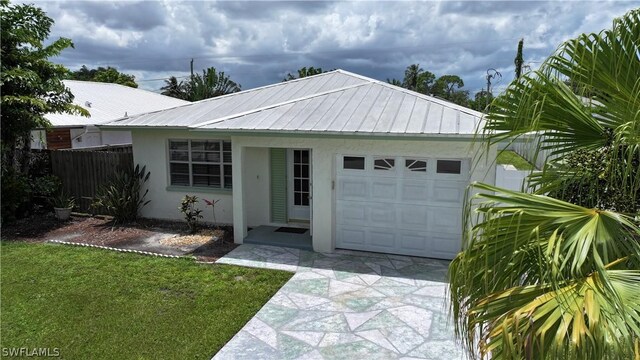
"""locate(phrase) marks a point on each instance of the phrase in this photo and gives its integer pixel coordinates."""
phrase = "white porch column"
(239, 218)
(322, 199)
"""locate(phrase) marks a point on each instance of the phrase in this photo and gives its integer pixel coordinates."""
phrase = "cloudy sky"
(258, 43)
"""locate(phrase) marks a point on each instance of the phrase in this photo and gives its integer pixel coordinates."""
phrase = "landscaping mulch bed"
(101, 231)
(90, 230)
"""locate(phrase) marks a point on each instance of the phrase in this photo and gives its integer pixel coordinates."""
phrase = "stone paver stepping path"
(346, 305)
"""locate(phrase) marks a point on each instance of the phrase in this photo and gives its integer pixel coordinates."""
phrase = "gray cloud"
(267, 10)
(259, 42)
(480, 8)
(144, 16)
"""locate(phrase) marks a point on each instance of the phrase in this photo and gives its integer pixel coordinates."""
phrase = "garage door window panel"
(416, 165)
(353, 163)
(384, 164)
(449, 167)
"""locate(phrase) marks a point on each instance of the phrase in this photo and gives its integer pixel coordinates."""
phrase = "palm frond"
(577, 320)
(524, 246)
(545, 278)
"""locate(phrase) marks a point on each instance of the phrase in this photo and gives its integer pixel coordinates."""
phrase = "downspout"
(86, 130)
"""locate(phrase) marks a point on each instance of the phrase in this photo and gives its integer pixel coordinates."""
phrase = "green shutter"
(279, 185)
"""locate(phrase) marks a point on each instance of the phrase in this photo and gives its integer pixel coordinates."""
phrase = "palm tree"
(556, 273)
(210, 84)
(417, 79)
(174, 88)
(411, 75)
(395, 82)
(304, 72)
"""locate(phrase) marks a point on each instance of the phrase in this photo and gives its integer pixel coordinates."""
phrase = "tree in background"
(448, 87)
(304, 72)
(209, 84)
(394, 82)
(425, 82)
(519, 61)
(31, 87)
(411, 75)
(102, 74)
(555, 274)
(480, 100)
(445, 86)
(417, 79)
(174, 88)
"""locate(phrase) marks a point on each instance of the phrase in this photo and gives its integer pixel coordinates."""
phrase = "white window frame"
(391, 170)
(364, 157)
(460, 161)
(190, 164)
(416, 173)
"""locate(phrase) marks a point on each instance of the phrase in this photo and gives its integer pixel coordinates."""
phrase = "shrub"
(16, 195)
(191, 213)
(43, 188)
(596, 180)
(39, 163)
(121, 198)
(63, 200)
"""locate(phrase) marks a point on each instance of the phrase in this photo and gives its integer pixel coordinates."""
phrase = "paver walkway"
(346, 305)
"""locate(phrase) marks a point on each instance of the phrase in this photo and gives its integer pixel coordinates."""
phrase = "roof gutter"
(140, 127)
(336, 134)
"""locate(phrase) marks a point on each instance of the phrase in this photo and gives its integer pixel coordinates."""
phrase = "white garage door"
(400, 205)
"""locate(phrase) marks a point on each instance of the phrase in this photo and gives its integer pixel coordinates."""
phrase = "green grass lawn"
(509, 157)
(98, 304)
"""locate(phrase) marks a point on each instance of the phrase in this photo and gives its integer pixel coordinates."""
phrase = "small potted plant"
(63, 204)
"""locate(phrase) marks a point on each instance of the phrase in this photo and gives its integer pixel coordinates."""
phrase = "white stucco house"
(363, 164)
(105, 102)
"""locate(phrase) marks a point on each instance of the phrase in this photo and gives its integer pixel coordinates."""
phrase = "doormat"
(291, 230)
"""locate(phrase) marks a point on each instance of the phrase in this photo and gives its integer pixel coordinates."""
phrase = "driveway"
(346, 305)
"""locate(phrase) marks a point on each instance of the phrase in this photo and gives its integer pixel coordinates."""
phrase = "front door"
(299, 185)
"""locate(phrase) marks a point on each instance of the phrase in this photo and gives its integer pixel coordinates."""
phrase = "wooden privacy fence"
(83, 172)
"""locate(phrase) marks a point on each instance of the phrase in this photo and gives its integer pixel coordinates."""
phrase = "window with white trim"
(353, 163)
(416, 165)
(448, 166)
(384, 163)
(200, 163)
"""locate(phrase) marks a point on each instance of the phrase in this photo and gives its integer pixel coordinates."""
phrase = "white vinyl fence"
(508, 177)
(527, 147)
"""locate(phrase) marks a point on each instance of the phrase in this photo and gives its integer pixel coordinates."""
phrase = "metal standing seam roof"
(109, 102)
(336, 102)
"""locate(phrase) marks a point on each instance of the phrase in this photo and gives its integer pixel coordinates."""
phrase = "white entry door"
(299, 184)
(400, 205)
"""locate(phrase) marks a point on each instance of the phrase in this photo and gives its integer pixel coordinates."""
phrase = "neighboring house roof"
(337, 102)
(106, 102)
